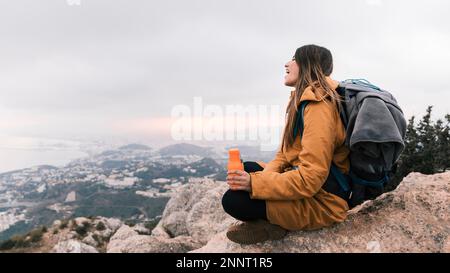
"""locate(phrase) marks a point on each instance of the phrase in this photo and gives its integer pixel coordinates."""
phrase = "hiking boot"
(253, 232)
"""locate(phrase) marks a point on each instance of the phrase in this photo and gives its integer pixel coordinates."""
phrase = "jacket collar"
(318, 94)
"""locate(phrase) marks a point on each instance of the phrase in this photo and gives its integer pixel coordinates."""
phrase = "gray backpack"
(375, 132)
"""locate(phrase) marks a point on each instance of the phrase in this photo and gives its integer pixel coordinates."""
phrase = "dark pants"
(238, 203)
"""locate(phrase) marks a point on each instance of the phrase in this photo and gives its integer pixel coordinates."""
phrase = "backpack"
(375, 131)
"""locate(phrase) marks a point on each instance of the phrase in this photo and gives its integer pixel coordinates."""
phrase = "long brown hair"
(315, 64)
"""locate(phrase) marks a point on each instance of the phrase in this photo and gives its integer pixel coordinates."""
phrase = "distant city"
(132, 182)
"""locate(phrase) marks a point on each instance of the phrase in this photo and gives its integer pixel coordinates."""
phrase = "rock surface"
(195, 210)
(126, 240)
(412, 218)
(92, 241)
(191, 218)
(73, 246)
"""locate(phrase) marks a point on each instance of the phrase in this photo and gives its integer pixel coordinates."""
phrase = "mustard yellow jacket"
(295, 199)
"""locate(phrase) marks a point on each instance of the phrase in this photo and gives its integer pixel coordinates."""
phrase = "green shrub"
(100, 226)
(7, 245)
(427, 147)
(150, 225)
(20, 241)
(97, 239)
(64, 224)
(130, 223)
(81, 230)
(36, 235)
(86, 224)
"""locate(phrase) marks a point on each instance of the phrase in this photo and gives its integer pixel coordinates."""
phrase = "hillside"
(131, 183)
(412, 218)
(185, 149)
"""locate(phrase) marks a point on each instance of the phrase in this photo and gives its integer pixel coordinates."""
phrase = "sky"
(80, 69)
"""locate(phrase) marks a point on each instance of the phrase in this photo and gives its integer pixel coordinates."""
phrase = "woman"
(288, 193)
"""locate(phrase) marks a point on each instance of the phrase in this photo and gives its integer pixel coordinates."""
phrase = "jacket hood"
(317, 94)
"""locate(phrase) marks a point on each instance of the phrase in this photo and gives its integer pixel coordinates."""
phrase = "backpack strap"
(342, 113)
(335, 171)
(298, 129)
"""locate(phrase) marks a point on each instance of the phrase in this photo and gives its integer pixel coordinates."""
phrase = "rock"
(189, 220)
(141, 229)
(107, 233)
(446, 247)
(195, 210)
(123, 233)
(153, 244)
(56, 223)
(72, 235)
(111, 226)
(126, 240)
(207, 218)
(175, 223)
(412, 218)
(89, 240)
(80, 220)
(73, 246)
(159, 231)
(111, 223)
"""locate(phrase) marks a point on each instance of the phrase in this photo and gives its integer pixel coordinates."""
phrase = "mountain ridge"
(412, 218)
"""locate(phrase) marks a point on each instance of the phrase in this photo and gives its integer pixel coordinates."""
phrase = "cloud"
(89, 69)
(374, 2)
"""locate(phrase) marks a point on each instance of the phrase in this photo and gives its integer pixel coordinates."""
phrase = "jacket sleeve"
(317, 149)
(278, 164)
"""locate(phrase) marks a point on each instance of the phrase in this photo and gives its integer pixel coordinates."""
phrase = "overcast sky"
(118, 67)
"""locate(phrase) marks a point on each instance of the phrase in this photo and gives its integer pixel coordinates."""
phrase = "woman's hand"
(239, 180)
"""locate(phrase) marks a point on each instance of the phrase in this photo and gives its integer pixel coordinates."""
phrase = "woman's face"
(291, 77)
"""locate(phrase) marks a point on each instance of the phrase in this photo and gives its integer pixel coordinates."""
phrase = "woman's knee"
(235, 202)
(239, 205)
(229, 202)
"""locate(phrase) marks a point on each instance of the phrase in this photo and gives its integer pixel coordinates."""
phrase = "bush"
(427, 147)
(44, 229)
(35, 235)
(100, 226)
(130, 223)
(20, 241)
(86, 224)
(97, 239)
(17, 241)
(64, 224)
(150, 225)
(7, 245)
(81, 230)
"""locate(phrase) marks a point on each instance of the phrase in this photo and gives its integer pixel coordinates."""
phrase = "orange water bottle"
(234, 162)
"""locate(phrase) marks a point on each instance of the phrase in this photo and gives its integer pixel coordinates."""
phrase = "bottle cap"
(234, 154)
